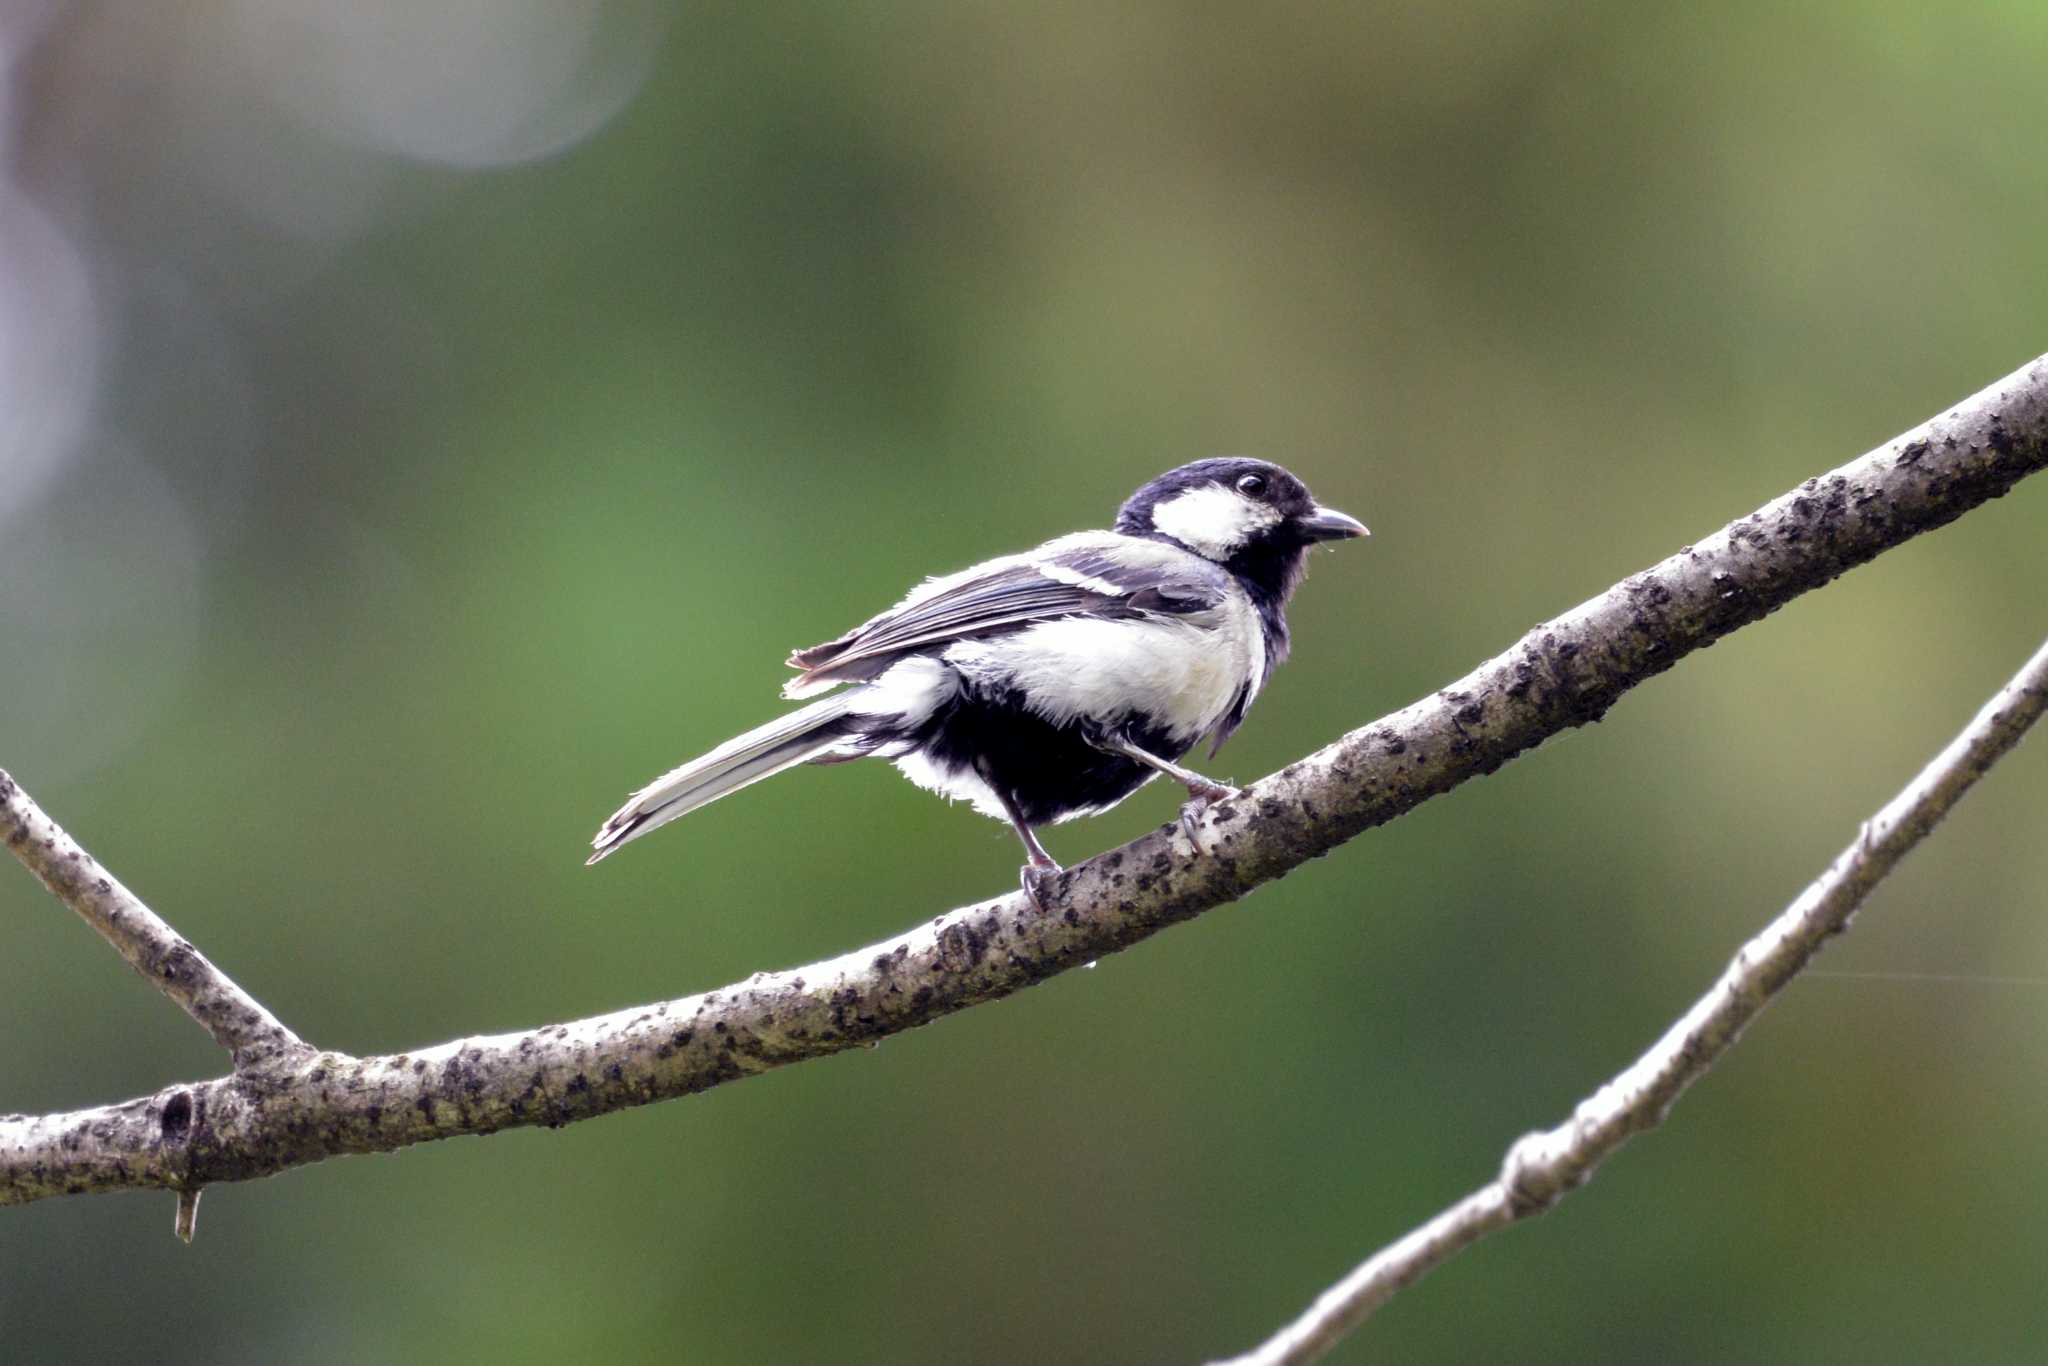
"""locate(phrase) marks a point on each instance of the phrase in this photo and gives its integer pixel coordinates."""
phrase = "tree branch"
(297, 1108)
(235, 1019)
(1542, 1167)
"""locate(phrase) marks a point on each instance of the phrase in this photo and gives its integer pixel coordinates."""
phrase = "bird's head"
(1241, 513)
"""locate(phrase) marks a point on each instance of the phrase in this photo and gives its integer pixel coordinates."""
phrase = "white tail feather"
(761, 753)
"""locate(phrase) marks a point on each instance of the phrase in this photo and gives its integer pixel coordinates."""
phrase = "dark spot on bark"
(578, 1084)
(458, 1074)
(682, 1037)
(615, 1073)
(177, 1120)
(961, 946)
(718, 1026)
(177, 961)
(374, 1116)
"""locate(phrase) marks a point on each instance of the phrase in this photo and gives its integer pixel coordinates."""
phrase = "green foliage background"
(545, 473)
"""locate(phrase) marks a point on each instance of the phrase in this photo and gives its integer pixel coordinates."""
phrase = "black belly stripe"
(1049, 771)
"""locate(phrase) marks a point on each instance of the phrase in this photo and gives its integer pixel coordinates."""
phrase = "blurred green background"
(425, 422)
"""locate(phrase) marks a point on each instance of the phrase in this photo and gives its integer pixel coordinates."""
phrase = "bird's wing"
(1093, 573)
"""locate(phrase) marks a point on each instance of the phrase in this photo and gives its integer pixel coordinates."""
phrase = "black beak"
(1328, 524)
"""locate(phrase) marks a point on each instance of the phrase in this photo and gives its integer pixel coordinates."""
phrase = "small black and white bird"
(1052, 684)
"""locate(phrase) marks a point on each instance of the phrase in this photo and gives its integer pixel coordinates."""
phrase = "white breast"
(1180, 671)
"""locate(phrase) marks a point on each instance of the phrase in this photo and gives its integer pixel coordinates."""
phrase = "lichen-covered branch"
(1542, 1167)
(235, 1019)
(299, 1108)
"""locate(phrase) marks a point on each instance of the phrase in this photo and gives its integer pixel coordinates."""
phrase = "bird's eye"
(1252, 485)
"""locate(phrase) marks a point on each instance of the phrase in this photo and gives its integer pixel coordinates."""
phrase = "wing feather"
(1098, 574)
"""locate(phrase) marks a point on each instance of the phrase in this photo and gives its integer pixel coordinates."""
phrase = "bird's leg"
(1201, 791)
(1040, 867)
(1204, 789)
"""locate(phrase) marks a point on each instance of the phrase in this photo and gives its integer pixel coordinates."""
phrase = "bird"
(1052, 684)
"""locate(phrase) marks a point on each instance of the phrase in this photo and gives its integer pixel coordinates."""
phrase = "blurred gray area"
(422, 422)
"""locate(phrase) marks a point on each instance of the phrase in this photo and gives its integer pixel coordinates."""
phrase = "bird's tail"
(763, 752)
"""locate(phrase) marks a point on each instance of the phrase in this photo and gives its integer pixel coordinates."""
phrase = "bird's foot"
(1200, 799)
(1035, 876)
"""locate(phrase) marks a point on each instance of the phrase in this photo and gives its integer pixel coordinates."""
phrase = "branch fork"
(286, 1104)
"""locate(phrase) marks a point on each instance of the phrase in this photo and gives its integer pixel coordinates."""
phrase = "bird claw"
(1198, 804)
(1034, 877)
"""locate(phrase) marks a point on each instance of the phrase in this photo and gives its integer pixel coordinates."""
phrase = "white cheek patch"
(1213, 521)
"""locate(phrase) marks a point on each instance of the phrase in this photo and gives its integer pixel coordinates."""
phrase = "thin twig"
(235, 1019)
(1542, 1167)
(1563, 673)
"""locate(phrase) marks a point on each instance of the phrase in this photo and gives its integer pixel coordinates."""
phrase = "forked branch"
(236, 1020)
(285, 1106)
